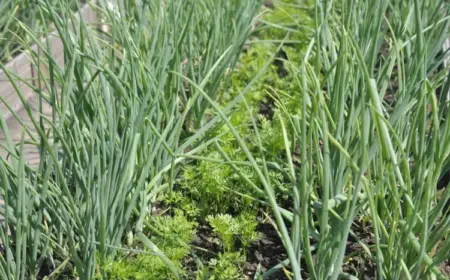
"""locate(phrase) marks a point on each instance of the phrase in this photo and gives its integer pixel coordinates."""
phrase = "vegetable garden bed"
(235, 139)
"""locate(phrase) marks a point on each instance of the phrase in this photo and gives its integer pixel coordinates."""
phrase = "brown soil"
(268, 251)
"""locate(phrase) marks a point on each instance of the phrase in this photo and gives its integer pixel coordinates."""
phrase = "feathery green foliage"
(172, 237)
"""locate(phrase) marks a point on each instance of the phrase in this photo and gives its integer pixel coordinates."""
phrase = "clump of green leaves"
(173, 231)
(144, 266)
(225, 227)
(170, 234)
(208, 186)
(180, 202)
(230, 229)
(226, 266)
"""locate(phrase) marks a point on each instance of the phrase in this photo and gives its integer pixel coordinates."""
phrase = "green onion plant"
(119, 109)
